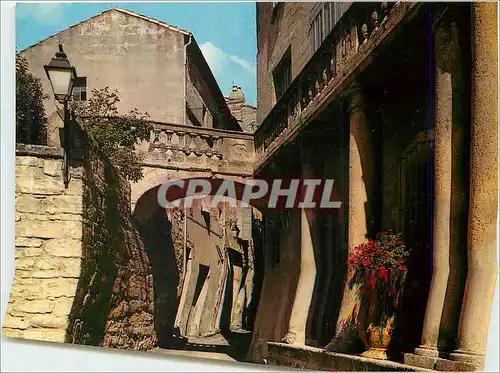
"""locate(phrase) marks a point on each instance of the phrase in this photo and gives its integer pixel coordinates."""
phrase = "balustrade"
(189, 147)
(192, 141)
(354, 34)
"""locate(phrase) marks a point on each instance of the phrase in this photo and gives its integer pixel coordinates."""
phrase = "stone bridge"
(177, 151)
(83, 250)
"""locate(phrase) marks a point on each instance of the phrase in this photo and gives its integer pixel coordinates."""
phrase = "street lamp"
(235, 231)
(62, 77)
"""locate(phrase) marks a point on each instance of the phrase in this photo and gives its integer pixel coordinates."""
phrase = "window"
(283, 74)
(80, 89)
(323, 17)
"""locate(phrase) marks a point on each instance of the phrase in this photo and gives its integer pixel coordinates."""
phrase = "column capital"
(446, 44)
(354, 97)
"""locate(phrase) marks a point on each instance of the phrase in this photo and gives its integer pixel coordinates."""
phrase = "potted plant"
(379, 268)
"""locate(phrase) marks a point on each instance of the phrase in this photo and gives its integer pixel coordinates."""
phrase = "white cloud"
(43, 13)
(218, 59)
(242, 62)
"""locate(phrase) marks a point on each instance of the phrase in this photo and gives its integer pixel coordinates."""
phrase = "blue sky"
(225, 31)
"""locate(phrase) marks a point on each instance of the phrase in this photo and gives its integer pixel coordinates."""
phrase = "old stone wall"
(49, 246)
(114, 303)
(82, 274)
(285, 27)
(246, 115)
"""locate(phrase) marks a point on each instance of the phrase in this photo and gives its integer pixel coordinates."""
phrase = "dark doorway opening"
(416, 211)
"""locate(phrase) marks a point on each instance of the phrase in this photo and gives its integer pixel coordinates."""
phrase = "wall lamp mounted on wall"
(62, 77)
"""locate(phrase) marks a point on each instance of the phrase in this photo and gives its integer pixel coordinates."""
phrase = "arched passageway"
(206, 277)
(158, 235)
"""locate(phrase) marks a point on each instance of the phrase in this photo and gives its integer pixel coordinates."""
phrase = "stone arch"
(154, 177)
(158, 233)
(175, 260)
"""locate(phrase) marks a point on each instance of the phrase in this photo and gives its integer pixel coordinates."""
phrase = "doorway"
(416, 179)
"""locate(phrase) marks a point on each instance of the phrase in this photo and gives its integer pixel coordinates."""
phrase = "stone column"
(307, 272)
(483, 203)
(445, 45)
(360, 218)
(360, 169)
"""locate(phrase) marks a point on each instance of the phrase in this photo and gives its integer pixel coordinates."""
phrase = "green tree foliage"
(31, 122)
(116, 134)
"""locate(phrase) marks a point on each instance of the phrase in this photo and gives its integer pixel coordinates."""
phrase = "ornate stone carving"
(375, 22)
(240, 150)
(333, 64)
(347, 47)
(385, 9)
(366, 35)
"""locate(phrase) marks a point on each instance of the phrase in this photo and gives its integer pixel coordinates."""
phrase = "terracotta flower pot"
(378, 339)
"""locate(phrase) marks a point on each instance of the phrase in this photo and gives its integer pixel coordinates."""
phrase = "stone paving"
(230, 346)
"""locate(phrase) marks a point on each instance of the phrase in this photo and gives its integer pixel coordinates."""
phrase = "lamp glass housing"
(61, 75)
(62, 81)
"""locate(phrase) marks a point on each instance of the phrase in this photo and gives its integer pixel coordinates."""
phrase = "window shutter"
(245, 223)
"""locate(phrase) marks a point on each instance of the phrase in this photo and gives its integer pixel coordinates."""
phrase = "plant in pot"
(379, 268)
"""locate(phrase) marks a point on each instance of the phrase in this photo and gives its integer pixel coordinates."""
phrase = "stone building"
(398, 103)
(201, 281)
(245, 114)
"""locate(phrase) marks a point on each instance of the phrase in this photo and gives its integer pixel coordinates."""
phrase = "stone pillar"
(360, 169)
(360, 218)
(483, 203)
(445, 46)
(307, 272)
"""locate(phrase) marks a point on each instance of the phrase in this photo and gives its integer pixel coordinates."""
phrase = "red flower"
(371, 281)
(403, 267)
(366, 262)
(383, 274)
(400, 242)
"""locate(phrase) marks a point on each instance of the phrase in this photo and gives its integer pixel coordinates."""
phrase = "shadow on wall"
(113, 295)
(156, 233)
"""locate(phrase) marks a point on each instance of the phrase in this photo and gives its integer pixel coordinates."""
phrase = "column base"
(468, 357)
(290, 338)
(438, 363)
(426, 351)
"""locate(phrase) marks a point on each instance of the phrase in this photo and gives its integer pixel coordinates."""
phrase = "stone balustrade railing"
(190, 141)
(179, 146)
(358, 32)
